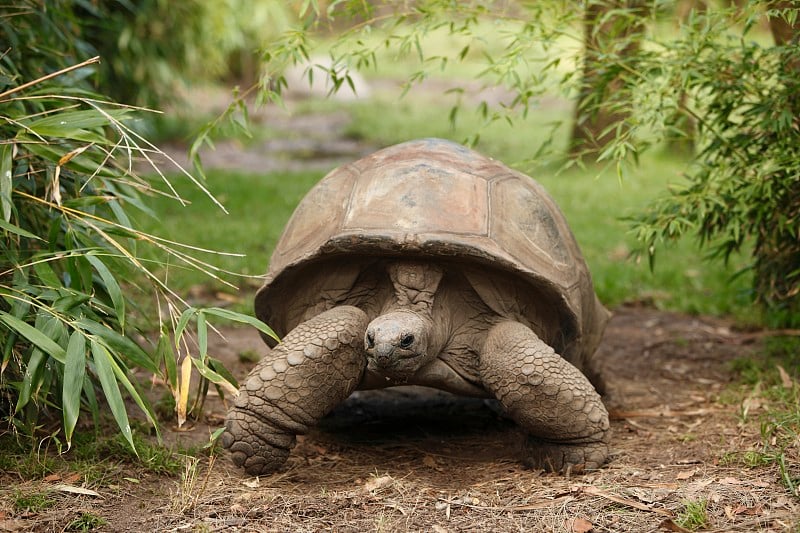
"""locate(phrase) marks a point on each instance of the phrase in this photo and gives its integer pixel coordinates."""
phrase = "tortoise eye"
(370, 340)
(407, 341)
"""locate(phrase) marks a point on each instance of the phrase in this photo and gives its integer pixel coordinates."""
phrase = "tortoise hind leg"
(556, 404)
(316, 366)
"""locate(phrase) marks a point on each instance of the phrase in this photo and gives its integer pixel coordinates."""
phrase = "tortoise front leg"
(316, 366)
(556, 404)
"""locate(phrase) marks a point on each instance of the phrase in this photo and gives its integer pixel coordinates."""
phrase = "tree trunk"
(612, 30)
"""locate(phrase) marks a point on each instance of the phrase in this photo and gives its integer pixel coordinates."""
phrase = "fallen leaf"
(686, 474)
(322, 450)
(52, 477)
(378, 483)
(786, 380)
(594, 491)
(782, 501)
(72, 489)
(429, 461)
(730, 481)
(697, 486)
(578, 525)
(753, 511)
(73, 477)
(252, 483)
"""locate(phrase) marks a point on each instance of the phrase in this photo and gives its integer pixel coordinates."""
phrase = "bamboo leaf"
(31, 379)
(104, 364)
(134, 394)
(185, 383)
(219, 367)
(242, 319)
(119, 343)
(38, 338)
(213, 377)
(183, 321)
(75, 124)
(202, 335)
(165, 352)
(91, 400)
(74, 372)
(46, 274)
(6, 181)
(11, 228)
(112, 287)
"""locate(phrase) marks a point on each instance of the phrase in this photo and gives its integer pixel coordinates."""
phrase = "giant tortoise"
(428, 264)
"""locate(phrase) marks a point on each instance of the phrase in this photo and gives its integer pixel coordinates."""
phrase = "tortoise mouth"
(397, 368)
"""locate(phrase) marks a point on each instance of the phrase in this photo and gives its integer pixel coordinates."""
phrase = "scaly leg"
(316, 366)
(548, 397)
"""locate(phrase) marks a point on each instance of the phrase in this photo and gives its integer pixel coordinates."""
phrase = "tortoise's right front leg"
(316, 366)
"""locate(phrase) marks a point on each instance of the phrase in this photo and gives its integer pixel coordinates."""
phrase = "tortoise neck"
(415, 286)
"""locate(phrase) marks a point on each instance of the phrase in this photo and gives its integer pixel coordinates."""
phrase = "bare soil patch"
(417, 460)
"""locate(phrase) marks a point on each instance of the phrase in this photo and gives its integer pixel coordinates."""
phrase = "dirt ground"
(414, 460)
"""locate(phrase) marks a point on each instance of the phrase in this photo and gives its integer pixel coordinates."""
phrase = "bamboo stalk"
(91, 61)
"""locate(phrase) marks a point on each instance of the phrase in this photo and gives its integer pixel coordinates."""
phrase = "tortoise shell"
(433, 198)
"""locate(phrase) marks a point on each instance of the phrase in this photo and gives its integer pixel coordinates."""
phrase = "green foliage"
(151, 457)
(743, 191)
(740, 195)
(86, 522)
(71, 264)
(31, 502)
(693, 515)
(149, 49)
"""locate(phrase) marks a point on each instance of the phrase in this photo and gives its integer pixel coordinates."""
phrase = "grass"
(31, 502)
(86, 522)
(773, 378)
(693, 515)
(258, 207)
(96, 460)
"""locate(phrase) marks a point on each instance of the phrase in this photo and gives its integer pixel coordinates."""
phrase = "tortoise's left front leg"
(551, 399)
(316, 366)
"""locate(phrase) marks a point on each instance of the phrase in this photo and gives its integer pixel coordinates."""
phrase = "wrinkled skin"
(431, 329)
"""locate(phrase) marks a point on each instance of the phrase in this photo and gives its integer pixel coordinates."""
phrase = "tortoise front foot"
(564, 457)
(255, 444)
(316, 366)
(549, 398)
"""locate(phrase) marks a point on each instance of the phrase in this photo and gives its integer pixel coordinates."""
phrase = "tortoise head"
(397, 343)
